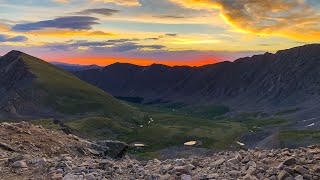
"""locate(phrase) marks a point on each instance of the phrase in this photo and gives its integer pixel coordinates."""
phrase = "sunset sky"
(172, 32)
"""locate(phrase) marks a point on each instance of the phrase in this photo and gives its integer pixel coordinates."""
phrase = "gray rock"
(6, 147)
(212, 176)
(72, 177)
(56, 176)
(15, 157)
(90, 177)
(301, 170)
(233, 160)
(246, 159)
(185, 177)
(179, 162)
(113, 149)
(37, 161)
(181, 170)
(283, 175)
(19, 164)
(104, 164)
(316, 169)
(290, 161)
(299, 177)
(218, 162)
(234, 173)
(164, 169)
(249, 177)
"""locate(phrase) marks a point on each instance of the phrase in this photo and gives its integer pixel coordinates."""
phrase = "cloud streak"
(100, 11)
(5, 38)
(68, 22)
(116, 45)
(121, 2)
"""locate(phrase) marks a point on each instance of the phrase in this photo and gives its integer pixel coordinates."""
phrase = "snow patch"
(240, 143)
(310, 125)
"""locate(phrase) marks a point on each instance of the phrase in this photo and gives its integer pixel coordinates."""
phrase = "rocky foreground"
(32, 152)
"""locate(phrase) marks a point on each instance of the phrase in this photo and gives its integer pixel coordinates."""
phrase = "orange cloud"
(265, 17)
(4, 28)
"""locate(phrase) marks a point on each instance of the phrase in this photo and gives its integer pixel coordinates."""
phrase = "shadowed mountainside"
(261, 82)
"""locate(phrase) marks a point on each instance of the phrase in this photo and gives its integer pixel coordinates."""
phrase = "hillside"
(267, 82)
(32, 152)
(31, 87)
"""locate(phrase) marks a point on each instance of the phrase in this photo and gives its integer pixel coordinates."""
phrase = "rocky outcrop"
(33, 160)
(116, 149)
(108, 148)
(36, 140)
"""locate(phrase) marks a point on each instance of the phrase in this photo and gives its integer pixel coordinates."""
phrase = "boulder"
(19, 165)
(6, 147)
(218, 162)
(246, 159)
(72, 177)
(290, 161)
(283, 175)
(181, 170)
(316, 169)
(56, 176)
(113, 149)
(15, 157)
(185, 177)
(301, 170)
(299, 177)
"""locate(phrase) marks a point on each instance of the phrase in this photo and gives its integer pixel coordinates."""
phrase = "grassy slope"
(68, 94)
(101, 127)
(299, 137)
(174, 128)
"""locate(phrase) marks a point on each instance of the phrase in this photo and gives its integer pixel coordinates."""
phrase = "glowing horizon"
(170, 32)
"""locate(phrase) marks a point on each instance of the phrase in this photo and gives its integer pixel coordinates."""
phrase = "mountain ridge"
(264, 81)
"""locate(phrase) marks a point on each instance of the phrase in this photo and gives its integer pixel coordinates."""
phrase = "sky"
(171, 32)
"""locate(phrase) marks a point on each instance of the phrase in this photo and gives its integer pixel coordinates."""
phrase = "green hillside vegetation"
(70, 95)
(169, 128)
(172, 130)
(300, 134)
(101, 127)
(46, 123)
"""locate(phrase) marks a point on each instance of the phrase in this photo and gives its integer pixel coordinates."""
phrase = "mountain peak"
(14, 53)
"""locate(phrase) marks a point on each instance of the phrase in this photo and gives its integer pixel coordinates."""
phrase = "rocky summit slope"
(32, 152)
(261, 82)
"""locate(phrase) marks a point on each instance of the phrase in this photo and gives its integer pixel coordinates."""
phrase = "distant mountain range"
(75, 67)
(288, 78)
(31, 87)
